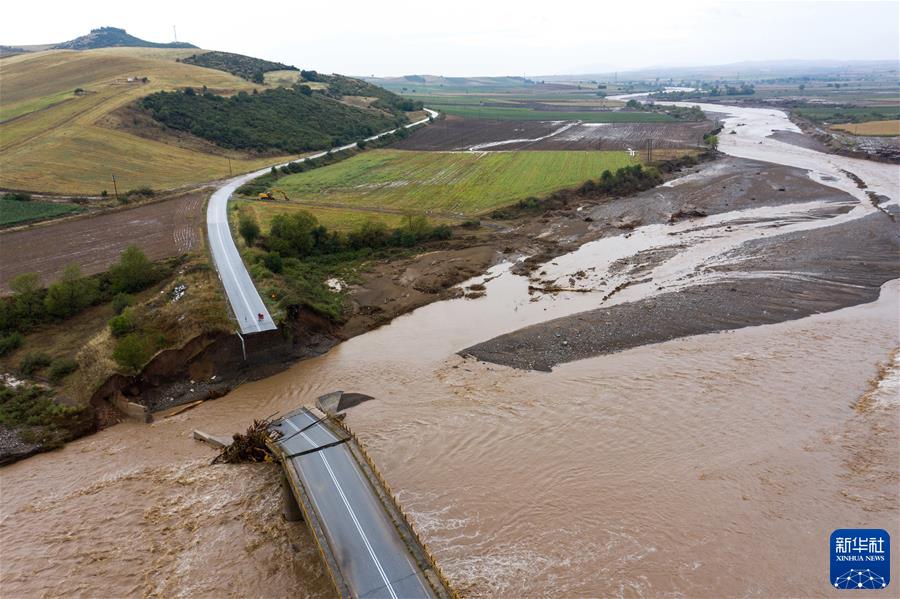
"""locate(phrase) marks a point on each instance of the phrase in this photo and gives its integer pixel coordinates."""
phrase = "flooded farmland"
(708, 461)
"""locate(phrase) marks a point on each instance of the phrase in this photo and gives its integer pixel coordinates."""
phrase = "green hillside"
(246, 67)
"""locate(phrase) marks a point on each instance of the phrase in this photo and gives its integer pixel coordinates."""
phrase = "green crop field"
(462, 183)
(13, 212)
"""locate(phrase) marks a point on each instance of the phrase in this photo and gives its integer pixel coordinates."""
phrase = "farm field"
(461, 183)
(456, 133)
(888, 128)
(856, 114)
(160, 229)
(14, 212)
(524, 112)
(54, 141)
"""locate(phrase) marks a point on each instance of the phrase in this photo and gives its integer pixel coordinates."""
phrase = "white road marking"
(220, 251)
(350, 510)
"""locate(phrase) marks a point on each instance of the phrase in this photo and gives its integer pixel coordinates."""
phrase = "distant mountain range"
(760, 69)
(102, 37)
(755, 69)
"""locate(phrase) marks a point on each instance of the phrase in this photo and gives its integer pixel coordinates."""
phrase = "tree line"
(31, 304)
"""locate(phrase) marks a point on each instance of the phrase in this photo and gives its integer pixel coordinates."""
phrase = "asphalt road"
(245, 300)
(372, 557)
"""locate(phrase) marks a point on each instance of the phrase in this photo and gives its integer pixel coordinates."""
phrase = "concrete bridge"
(366, 543)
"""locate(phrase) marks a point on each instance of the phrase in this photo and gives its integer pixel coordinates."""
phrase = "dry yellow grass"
(877, 128)
(55, 141)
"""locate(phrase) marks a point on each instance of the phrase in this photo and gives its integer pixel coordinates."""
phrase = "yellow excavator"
(270, 195)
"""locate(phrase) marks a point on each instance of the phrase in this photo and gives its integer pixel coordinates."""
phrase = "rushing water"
(718, 462)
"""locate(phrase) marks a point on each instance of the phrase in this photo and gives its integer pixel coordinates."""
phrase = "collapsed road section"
(366, 543)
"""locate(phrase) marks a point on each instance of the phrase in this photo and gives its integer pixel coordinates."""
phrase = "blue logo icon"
(860, 558)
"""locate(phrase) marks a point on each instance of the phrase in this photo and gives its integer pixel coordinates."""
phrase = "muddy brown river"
(707, 466)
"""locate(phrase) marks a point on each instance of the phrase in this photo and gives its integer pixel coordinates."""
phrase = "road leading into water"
(248, 307)
(372, 557)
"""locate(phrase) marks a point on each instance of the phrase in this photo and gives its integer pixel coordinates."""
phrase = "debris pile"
(247, 447)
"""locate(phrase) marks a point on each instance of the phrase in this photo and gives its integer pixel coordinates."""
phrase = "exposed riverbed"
(719, 461)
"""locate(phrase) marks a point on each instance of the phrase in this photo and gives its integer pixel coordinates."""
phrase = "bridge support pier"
(290, 510)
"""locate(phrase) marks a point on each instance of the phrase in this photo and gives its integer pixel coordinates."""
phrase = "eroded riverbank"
(670, 468)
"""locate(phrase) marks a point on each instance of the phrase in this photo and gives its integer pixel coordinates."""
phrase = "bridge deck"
(358, 534)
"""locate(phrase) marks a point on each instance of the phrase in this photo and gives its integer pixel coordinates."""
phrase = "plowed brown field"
(161, 229)
(457, 133)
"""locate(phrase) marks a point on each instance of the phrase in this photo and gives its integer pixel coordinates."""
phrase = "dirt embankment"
(881, 149)
(211, 365)
(161, 229)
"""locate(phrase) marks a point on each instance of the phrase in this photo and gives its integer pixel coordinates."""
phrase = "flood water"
(715, 465)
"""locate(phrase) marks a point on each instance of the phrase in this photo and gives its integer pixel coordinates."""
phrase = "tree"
(249, 229)
(133, 272)
(132, 352)
(27, 303)
(258, 77)
(370, 234)
(291, 235)
(71, 293)
(273, 262)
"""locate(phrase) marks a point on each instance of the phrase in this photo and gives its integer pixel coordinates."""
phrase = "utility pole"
(175, 33)
(649, 151)
(229, 167)
(115, 189)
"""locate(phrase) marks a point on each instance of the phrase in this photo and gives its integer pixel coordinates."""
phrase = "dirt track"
(456, 133)
(161, 229)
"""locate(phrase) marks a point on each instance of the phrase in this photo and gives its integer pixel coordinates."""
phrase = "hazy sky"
(482, 37)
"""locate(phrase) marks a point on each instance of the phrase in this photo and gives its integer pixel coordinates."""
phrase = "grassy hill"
(53, 139)
(111, 37)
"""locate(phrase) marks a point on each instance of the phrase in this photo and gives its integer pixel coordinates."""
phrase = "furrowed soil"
(458, 133)
(161, 229)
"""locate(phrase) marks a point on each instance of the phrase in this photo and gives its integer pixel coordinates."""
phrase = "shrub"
(132, 352)
(33, 362)
(471, 224)
(17, 196)
(530, 203)
(292, 234)
(133, 271)
(249, 229)
(441, 232)
(60, 368)
(140, 192)
(370, 234)
(28, 305)
(120, 302)
(30, 406)
(273, 262)
(71, 293)
(121, 325)
(10, 343)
